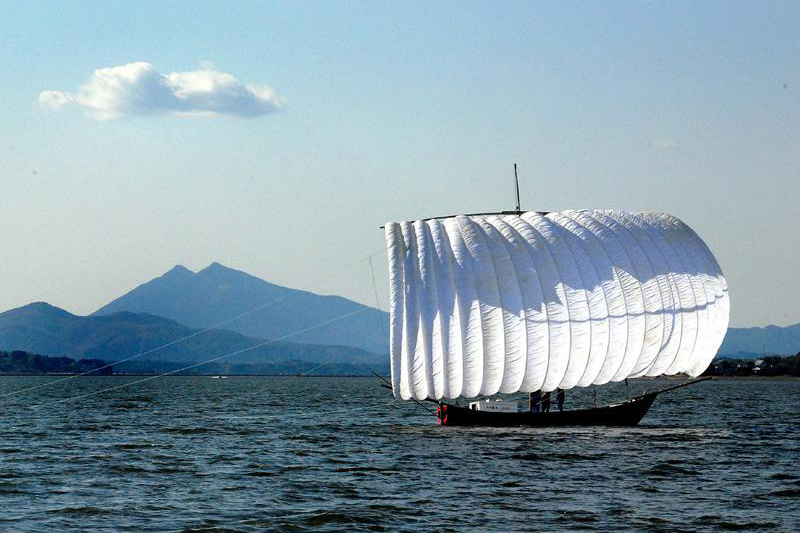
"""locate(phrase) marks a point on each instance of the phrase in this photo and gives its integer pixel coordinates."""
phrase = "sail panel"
(430, 337)
(486, 304)
(395, 247)
(537, 322)
(490, 305)
(578, 239)
(554, 301)
(616, 303)
(511, 302)
(448, 315)
(413, 353)
(668, 292)
(468, 304)
(632, 297)
(651, 292)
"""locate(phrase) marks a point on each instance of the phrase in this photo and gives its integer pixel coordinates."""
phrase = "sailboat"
(523, 301)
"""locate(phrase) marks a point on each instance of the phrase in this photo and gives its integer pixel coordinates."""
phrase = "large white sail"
(522, 302)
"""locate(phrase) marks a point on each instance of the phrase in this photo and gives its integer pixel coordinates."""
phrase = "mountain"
(218, 293)
(752, 342)
(42, 328)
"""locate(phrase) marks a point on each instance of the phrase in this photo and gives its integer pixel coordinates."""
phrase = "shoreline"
(758, 378)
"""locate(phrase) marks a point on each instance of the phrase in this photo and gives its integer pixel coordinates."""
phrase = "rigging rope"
(378, 304)
(195, 365)
(196, 333)
(389, 386)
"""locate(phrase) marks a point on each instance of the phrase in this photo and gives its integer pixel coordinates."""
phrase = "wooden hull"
(623, 414)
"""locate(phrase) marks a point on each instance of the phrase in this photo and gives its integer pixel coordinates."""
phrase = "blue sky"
(394, 111)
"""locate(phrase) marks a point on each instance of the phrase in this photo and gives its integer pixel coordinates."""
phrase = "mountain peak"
(218, 271)
(42, 309)
(41, 305)
(218, 293)
(178, 270)
(216, 266)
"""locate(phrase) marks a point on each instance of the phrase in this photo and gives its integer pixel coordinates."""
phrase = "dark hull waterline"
(624, 414)
(628, 413)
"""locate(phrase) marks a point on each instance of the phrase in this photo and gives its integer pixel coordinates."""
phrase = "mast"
(516, 182)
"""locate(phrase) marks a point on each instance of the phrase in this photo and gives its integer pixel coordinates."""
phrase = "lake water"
(251, 454)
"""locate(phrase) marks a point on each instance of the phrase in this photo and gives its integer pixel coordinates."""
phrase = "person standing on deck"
(560, 398)
(546, 402)
(535, 401)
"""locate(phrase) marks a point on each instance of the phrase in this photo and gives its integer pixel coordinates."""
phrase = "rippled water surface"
(339, 454)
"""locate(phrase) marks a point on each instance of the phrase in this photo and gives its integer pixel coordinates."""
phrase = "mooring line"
(187, 337)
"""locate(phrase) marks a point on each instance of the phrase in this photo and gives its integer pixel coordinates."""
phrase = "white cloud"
(55, 99)
(138, 89)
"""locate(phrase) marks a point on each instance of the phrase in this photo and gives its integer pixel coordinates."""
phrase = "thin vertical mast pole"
(516, 182)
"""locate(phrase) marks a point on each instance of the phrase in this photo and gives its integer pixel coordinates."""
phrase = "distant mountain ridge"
(45, 329)
(744, 342)
(217, 293)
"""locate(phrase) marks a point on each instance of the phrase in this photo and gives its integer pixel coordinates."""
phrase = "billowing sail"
(521, 302)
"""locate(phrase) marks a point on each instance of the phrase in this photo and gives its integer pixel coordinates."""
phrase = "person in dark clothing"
(546, 402)
(560, 398)
(534, 401)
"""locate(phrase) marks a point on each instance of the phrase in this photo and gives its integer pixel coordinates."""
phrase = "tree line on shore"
(770, 365)
(26, 363)
(19, 362)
